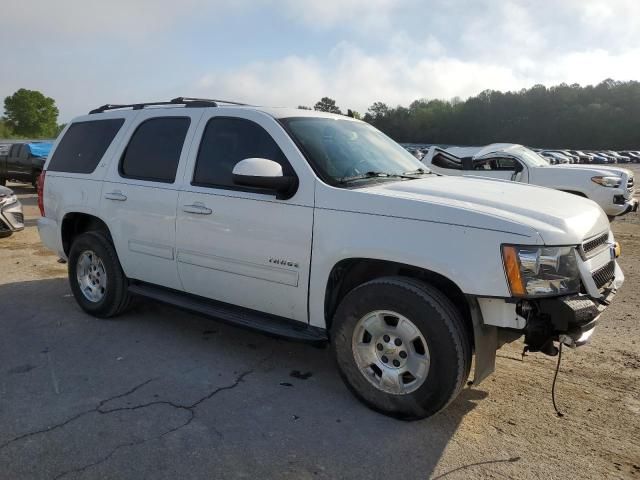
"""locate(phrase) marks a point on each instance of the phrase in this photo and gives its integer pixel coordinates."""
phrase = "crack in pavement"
(75, 417)
(102, 411)
(189, 408)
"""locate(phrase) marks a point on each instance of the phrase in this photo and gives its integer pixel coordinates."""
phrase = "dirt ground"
(164, 394)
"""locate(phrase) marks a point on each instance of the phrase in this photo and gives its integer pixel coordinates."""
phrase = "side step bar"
(234, 315)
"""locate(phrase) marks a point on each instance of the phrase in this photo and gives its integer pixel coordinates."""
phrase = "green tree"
(30, 114)
(5, 131)
(327, 104)
(603, 116)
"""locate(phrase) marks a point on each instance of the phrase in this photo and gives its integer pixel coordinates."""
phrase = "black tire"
(438, 320)
(34, 181)
(116, 298)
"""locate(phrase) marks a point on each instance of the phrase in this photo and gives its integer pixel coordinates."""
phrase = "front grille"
(590, 247)
(4, 227)
(605, 274)
(19, 217)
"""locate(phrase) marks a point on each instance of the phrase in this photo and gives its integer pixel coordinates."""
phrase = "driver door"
(241, 245)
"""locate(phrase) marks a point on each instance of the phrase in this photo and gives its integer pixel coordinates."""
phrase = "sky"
(85, 53)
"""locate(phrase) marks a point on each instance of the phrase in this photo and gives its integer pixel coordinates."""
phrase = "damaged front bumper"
(570, 320)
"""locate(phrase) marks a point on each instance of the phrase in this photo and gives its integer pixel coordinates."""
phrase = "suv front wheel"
(401, 347)
(97, 281)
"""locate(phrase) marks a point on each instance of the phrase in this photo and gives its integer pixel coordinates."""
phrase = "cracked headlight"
(8, 200)
(540, 271)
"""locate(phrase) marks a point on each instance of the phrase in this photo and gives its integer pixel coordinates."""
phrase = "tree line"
(600, 116)
(603, 116)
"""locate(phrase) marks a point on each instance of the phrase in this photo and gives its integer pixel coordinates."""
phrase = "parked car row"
(590, 156)
(23, 161)
(318, 227)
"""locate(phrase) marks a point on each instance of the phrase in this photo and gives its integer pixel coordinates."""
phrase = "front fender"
(468, 257)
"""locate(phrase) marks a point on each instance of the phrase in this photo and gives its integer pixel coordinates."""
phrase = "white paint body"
(565, 177)
(275, 256)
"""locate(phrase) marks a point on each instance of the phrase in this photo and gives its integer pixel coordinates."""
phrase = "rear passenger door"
(140, 194)
(241, 245)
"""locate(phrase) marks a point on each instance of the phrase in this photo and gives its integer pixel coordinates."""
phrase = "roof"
(188, 102)
(477, 152)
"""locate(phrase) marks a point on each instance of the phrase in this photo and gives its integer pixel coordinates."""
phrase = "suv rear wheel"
(401, 347)
(97, 281)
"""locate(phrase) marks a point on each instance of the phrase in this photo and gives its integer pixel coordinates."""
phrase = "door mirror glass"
(265, 174)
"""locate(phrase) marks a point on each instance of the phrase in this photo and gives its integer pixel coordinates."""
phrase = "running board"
(232, 314)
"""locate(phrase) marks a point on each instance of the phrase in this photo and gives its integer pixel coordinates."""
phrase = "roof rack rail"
(186, 101)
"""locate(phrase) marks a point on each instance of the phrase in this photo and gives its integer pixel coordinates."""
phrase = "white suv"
(318, 227)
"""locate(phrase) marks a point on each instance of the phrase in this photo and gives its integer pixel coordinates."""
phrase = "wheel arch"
(75, 223)
(349, 273)
(575, 192)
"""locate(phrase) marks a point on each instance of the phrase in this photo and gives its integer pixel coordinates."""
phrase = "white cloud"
(360, 51)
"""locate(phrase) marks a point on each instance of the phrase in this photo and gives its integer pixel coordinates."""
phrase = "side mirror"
(265, 174)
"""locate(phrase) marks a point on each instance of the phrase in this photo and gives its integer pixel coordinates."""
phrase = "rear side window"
(84, 145)
(154, 149)
(225, 142)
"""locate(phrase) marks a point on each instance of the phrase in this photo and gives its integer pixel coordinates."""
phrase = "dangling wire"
(553, 386)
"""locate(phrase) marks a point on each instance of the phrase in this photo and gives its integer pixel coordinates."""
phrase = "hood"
(5, 192)
(599, 169)
(558, 218)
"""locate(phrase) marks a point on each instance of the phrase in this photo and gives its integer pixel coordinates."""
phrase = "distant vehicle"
(569, 155)
(11, 217)
(558, 158)
(610, 187)
(619, 158)
(582, 156)
(23, 161)
(634, 155)
(610, 158)
(598, 159)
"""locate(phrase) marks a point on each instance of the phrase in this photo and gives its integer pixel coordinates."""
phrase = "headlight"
(6, 201)
(613, 182)
(540, 271)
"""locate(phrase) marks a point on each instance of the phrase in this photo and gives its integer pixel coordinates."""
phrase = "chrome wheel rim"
(92, 276)
(391, 352)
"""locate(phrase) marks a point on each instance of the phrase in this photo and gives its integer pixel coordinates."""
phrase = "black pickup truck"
(23, 161)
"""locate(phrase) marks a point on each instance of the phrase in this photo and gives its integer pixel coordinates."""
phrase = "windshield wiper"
(364, 176)
(419, 171)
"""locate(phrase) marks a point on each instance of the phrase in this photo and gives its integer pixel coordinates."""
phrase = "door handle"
(197, 208)
(115, 195)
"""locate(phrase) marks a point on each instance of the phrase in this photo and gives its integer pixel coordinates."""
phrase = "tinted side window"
(154, 149)
(225, 142)
(24, 151)
(84, 145)
(15, 149)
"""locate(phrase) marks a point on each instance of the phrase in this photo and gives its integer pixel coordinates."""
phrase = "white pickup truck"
(318, 227)
(610, 187)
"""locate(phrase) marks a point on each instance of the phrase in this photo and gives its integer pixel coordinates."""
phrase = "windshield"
(530, 157)
(340, 150)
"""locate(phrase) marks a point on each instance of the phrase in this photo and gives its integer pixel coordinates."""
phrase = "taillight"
(41, 192)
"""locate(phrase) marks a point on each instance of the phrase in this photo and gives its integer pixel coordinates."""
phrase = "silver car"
(11, 216)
